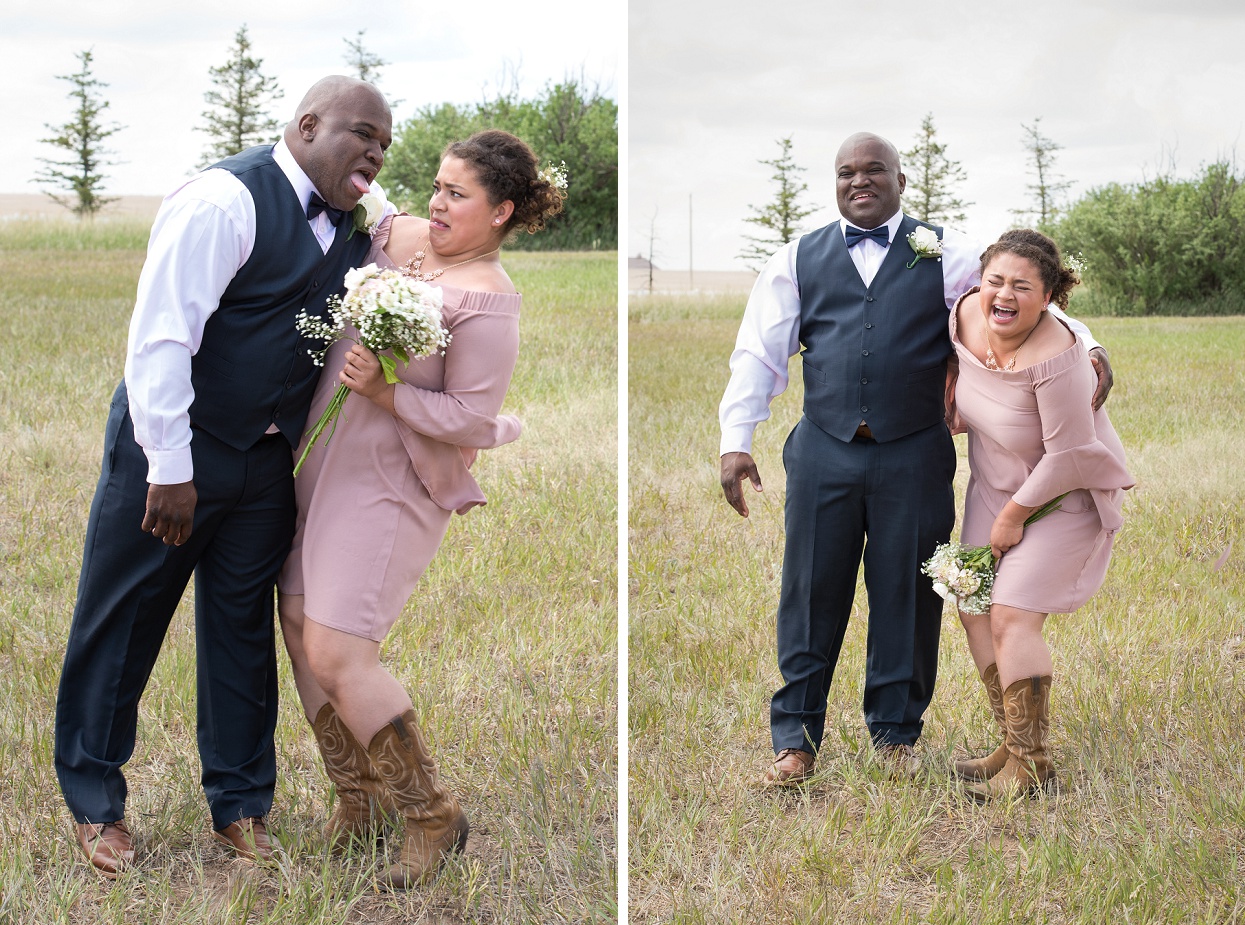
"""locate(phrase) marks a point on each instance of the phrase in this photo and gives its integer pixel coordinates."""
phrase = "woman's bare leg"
(980, 639)
(1020, 649)
(347, 669)
(293, 620)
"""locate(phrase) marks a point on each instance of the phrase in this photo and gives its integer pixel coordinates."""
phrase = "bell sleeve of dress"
(1082, 450)
(478, 365)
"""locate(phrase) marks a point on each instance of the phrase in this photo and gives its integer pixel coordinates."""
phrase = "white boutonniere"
(925, 243)
(366, 215)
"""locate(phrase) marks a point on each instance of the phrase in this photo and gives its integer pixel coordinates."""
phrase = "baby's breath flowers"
(554, 175)
(390, 311)
(966, 573)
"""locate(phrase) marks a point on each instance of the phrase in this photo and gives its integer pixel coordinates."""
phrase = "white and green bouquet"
(966, 573)
(391, 311)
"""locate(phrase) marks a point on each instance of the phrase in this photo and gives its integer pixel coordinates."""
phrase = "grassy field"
(1148, 703)
(508, 647)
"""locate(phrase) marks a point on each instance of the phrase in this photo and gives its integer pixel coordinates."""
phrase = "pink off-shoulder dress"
(1032, 436)
(374, 502)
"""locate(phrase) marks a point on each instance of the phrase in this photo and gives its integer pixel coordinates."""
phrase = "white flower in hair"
(555, 176)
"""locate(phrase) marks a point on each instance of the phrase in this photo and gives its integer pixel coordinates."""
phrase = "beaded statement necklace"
(992, 361)
(411, 267)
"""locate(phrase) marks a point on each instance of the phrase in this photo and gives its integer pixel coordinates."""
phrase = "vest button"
(864, 409)
(864, 353)
(867, 326)
(864, 381)
(868, 298)
(289, 385)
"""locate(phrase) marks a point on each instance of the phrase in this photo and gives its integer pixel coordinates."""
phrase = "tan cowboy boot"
(436, 826)
(1026, 704)
(985, 768)
(363, 802)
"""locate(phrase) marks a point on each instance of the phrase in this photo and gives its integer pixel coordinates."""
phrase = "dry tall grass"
(508, 646)
(1148, 702)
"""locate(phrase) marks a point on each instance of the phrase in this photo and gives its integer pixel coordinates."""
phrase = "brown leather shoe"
(900, 761)
(108, 846)
(791, 767)
(248, 837)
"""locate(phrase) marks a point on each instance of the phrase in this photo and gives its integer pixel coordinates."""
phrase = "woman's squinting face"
(460, 216)
(1012, 296)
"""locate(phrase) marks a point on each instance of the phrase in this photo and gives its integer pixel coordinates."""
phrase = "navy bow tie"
(318, 205)
(855, 235)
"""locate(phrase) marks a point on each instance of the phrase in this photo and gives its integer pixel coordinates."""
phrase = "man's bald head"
(339, 135)
(868, 138)
(328, 91)
(868, 182)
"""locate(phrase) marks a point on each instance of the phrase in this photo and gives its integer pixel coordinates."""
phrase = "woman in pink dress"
(374, 502)
(1024, 394)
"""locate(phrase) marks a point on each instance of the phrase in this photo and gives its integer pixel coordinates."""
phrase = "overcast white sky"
(155, 56)
(1124, 86)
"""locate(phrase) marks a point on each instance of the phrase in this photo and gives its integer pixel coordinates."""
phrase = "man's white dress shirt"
(770, 332)
(203, 234)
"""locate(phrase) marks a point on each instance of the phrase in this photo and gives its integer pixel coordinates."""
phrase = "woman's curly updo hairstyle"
(507, 169)
(1044, 254)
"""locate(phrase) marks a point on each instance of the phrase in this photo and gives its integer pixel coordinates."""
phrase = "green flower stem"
(981, 557)
(1050, 506)
(330, 415)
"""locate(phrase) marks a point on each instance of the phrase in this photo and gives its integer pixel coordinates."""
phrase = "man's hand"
(735, 468)
(1102, 366)
(170, 512)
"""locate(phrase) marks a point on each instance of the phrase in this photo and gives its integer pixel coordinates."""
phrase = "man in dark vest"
(870, 458)
(197, 472)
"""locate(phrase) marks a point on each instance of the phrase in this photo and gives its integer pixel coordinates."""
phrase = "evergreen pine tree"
(780, 218)
(239, 118)
(81, 141)
(932, 178)
(1048, 185)
(364, 63)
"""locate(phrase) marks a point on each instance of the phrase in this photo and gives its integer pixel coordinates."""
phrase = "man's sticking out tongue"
(359, 181)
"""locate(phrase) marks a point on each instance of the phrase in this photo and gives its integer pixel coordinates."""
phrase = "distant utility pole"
(690, 275)
(652, 247)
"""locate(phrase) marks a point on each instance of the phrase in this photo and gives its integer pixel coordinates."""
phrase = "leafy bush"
(1163, 246)
(570, 122)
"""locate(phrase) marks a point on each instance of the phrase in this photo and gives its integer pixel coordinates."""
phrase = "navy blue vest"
(876, 354)
(252, 368)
